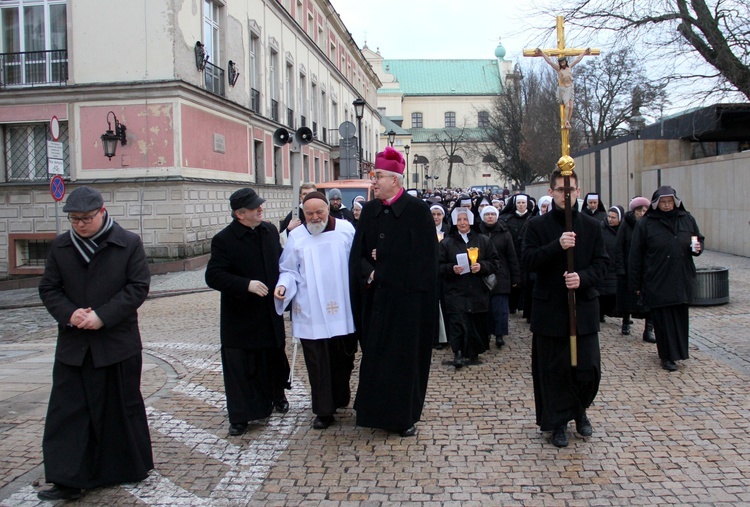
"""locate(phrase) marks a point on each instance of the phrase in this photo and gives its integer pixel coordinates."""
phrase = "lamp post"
(359, 112)
(406, 151)
(391, 137)
(416, 168)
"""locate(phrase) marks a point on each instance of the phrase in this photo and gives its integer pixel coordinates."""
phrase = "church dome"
(500, 51)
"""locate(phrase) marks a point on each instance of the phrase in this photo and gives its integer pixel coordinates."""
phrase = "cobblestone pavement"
(659, 438)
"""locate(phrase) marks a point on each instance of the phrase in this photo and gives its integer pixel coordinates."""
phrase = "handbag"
(490, 281)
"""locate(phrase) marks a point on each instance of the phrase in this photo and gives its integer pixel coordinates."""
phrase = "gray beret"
(245, 198)
(83, 199)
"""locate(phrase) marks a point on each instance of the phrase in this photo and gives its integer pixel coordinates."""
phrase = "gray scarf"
(87, 246)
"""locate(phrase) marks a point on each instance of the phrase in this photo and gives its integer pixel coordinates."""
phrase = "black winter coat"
(608, 285)
(661, 260)
(508, 270)
(114, 284)
(240, 254)
(543, 254)
(466, 293)
(627, 301)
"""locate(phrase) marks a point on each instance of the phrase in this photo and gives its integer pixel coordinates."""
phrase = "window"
(213, 74)
(33, 42)
(290, 95)
(28, 252)
(483, 119)
(314, 109)
(273, 67)
(450, 119)
(25, 149)
(254, 72)
(416, 120)
(302, 100)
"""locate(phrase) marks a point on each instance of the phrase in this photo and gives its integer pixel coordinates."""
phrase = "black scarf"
(87, 247)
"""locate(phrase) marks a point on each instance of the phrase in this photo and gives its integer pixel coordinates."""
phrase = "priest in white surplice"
(314, 277)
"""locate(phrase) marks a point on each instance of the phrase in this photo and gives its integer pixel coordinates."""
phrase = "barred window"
(26, 151)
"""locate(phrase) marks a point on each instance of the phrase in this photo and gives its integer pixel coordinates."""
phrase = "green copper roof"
(432, 135)
(445, 77)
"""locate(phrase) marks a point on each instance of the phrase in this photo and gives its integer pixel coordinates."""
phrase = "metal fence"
(33, 68)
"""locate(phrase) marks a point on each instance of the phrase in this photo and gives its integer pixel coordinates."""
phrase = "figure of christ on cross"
(565, 91)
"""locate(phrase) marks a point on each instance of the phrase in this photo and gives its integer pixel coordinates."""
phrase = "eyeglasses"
(86, 220)
(563, 189)
(379, 176)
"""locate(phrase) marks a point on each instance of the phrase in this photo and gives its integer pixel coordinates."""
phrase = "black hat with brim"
(245, 198)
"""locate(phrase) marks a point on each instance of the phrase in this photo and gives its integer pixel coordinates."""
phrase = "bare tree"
(452, 141)
(524, 129)
(677, 34)
(605, 87)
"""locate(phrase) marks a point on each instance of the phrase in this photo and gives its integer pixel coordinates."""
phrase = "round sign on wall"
(54, 128)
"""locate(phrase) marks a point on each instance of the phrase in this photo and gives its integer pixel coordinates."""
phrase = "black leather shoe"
(499, 341)
(321, 422)
(583, 426)
(669, 365)
(237, 429)
(648, 334)
(281, 405)
(458, 360)
(57, 492)
(559, 438)
(409, 432)
(625, 331)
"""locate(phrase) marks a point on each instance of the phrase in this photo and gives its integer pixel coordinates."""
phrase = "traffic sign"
(57, 188)
(54, 128)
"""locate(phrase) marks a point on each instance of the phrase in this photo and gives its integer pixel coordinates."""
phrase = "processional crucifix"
(566, 164)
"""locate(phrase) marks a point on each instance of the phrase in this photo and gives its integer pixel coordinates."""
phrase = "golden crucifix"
(566, 164)
(564, 75)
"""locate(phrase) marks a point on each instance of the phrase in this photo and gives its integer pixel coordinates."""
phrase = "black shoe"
(237, 429)
(281, 405)
(648, 333)
(669, 365)
(583, 426)
(409, 432)
(625, 331)
(57, 492)
(321, 422)
(559, 438)
(499, 341)
(458, 360)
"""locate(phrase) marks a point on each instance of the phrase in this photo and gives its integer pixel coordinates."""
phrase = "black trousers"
(562, 393)
(672, 330)
(96, 432)
(253, 380)
(329, 367)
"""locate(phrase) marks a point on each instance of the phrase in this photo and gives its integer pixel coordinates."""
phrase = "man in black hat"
(244, 264)
(96, 277)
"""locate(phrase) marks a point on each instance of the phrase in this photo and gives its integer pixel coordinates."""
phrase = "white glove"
(258, 287)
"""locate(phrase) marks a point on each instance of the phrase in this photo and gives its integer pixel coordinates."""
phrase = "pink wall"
(198, 129)
(44, 112)
(150, 134)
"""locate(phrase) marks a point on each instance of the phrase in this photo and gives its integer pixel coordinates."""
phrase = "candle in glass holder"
(473, 254)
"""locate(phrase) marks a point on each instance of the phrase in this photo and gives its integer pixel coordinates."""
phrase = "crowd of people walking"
(393, 278)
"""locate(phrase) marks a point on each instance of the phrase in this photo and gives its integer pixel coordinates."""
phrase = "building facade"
(200, 88)
(439, 108)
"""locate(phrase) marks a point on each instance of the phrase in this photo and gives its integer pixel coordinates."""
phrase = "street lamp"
(406, 151)
(359, 112)
(416, 161)
(391, 137)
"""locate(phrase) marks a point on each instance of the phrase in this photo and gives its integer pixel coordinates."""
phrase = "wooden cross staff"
(566, 164)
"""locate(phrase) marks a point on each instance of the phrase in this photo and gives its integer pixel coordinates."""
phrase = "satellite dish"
(347, 130)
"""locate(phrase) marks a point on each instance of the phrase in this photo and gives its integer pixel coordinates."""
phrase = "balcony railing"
(290, 118)
(255, 100)
(214, 77)
(274, 110)
(34, 68)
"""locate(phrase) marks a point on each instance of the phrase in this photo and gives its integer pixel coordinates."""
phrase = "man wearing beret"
(244, 264)
(393, 271)
(96, 277)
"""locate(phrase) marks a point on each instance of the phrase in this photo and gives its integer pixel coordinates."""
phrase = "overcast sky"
(441, 28)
